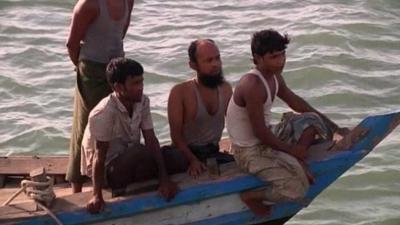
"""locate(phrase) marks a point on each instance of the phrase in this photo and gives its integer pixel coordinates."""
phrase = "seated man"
(197, 107)
(274, 153)
(111, 148)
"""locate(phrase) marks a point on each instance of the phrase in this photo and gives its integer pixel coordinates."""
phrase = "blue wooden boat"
(212, 201)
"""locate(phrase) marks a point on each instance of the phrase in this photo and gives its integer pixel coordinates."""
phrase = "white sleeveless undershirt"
(237, 118)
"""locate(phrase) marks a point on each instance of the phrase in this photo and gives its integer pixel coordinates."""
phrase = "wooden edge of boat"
(78, 201)
(73, 202)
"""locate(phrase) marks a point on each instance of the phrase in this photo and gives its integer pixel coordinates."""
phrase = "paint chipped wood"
(22, 165)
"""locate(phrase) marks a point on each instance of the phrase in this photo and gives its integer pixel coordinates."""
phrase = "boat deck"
(13, 169)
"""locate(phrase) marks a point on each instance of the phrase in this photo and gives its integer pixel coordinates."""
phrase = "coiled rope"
(40, 192)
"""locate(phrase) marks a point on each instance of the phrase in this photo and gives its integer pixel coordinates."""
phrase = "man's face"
(275, 61)
(208, 65)
(132, 90)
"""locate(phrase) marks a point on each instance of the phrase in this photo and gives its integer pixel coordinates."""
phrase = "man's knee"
(138, 154)
(145, 157)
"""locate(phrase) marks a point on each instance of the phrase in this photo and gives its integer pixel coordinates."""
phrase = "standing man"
(97, 30)
(274, 153)
(197, 107)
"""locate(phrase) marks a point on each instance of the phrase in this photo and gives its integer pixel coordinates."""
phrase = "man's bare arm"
(175, 119)
(253, 94)
(128, 22)
(98, 167)
(85, 11)
(96, 203)
(167, 189)
(298, 104)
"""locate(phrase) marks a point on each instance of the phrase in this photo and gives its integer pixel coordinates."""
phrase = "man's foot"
(255, 205)
(76, 187)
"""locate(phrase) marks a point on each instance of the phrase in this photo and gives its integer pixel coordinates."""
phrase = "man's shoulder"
(181, 88)
(249, 79)
(87, 6)
(105, 106)
(251, 85)
(89, 2)
(185, 85)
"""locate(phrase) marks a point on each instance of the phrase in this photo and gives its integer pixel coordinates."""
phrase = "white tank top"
(237, 119)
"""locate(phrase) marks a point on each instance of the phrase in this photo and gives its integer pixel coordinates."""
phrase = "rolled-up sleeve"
(101, 125)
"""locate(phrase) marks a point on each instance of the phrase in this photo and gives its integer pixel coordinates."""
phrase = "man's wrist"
(98, 194)
(190, 157)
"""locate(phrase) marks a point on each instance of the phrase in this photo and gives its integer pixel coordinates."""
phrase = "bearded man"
(197, 107)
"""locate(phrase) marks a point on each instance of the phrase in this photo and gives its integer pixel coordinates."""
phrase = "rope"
(46, 194)
(43, 195)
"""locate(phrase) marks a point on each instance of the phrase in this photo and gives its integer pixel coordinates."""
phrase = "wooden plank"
(22, 165)
(78, 201)
(58, 179)
(2, 180)
(54, 165)
(132, 205)
(12, 185)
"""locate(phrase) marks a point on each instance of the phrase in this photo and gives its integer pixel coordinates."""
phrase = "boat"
(210, 199)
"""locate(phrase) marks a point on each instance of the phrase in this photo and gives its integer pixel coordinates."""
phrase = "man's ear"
(193, 65)
(256, 58)
(117, 87)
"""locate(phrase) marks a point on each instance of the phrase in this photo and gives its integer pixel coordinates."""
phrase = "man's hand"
(343, 131)
(340, 133)
(95, 205)
(168, 189)
(196, 168)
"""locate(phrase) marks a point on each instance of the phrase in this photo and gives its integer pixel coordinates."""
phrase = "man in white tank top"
(196, 108)
(268, 151)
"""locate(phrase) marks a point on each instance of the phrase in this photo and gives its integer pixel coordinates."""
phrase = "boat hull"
(217, 201)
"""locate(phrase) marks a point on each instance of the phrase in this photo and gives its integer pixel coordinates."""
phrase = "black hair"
(192, 50)
(268, 41)
(119, 69)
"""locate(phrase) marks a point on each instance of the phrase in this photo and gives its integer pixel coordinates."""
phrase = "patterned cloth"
(284, 173)
(91, 87)
(292, 126)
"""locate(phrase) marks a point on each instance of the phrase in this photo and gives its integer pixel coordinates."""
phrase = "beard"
(211, 80)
